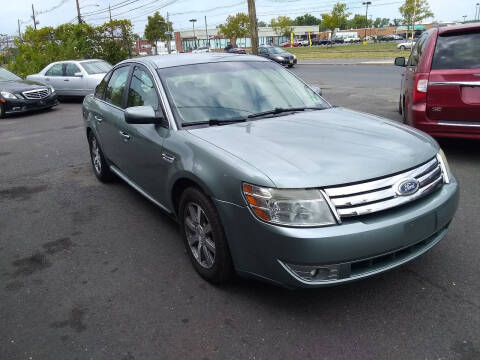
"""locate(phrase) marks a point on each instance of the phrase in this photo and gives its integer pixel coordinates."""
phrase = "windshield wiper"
(214, 121)
(282, 110)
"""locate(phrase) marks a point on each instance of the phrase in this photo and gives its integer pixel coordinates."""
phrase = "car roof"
(458, 28)
(165, 61)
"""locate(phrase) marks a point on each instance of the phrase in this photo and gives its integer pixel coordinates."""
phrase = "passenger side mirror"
(316, 89)
(141, 115)
(400, 61)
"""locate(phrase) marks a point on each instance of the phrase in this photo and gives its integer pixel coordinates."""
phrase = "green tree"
(414, 11)
(358, 21)
(282, 25)
(337, 18)
(396, 22)
(380, 22)
(236, 26)
(156, 29)
(262, 24)
(116, 40)
(306, 19)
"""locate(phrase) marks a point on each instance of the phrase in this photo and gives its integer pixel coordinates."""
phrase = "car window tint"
(142, 90)
(71, 69)
(458, 51)
(100, 89)
(55, 70)
(116, 86)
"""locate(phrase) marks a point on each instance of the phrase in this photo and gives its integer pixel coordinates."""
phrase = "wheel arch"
(182, 182)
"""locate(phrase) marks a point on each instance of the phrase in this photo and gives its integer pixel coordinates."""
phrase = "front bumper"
(358, 247)
(13, 106)
(287, 62)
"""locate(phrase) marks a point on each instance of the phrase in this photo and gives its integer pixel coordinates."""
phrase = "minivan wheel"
(204, 237)
(100, 166)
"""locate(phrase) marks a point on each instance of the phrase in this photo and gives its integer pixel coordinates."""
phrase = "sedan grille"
(386, 193)
(36, 94)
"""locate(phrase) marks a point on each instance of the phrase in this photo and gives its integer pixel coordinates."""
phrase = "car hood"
(20, 85)
(323, 148)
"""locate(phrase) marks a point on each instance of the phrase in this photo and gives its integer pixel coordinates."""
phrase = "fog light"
(314, 273)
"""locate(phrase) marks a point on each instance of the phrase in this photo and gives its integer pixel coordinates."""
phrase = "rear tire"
(99, 163)
(404, 113)
(400, 110)
(2, 111)
(204, 237)
(402, 47)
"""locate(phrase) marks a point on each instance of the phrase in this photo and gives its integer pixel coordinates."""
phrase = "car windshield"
(6, 75)
(96, 67)
(275, 50)
(226, 90)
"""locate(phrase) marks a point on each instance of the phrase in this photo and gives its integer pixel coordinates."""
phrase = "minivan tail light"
(420, 87)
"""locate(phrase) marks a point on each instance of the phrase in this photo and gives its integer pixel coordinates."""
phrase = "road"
(94, 271)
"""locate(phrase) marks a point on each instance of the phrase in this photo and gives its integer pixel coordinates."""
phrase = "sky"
(56, 12)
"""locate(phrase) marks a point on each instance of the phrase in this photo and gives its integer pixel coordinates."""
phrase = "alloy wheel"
(199, 235)
(96, 157)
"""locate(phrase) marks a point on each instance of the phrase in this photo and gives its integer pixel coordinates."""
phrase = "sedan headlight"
(279, 58)
(289, 207)
(52, 89)
(442, 159)
(7, 95)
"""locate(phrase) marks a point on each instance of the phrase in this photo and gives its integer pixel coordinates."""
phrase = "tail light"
(420, 87)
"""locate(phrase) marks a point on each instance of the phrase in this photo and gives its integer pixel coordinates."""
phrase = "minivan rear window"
(458, 51)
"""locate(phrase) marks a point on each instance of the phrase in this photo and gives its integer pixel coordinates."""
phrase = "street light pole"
(366, 17)
(464, 17)
(193, 21)
(33, 18)
(477, 11)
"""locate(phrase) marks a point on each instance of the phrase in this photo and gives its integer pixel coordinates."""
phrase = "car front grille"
(382, 194)
(36, 94)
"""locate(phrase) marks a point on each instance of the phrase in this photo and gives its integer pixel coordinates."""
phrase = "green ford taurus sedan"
(265, 178)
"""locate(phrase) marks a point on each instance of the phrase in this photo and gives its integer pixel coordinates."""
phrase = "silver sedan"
(73, 78)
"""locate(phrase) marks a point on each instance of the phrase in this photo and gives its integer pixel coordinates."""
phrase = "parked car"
(265, 178)
(202, 49)
(406, 45)
(18, 95)
(235, 50)
(304, 42)
(278, 55)
(289, 44)
(351, 40)
(73, 78)
(440, 92)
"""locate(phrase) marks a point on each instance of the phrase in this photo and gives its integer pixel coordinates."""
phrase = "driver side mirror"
(142, 115)
(316, 89)
(400, 61)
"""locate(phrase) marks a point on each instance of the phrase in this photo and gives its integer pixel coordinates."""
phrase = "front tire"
(204, 237)
(2, 111)
(402, 47)
(99, 163)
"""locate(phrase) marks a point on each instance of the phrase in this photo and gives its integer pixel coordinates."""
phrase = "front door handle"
(124, 135)
(66, 80)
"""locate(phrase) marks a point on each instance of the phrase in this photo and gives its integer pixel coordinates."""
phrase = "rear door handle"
(124, 135)
(98, 118)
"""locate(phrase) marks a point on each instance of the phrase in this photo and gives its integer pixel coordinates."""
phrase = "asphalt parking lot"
(95, 271)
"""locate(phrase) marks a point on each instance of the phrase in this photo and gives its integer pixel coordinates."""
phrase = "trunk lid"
(454, 81)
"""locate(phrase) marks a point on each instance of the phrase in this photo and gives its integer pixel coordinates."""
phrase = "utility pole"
(169, 37)
(193, 21)
(109, 11)
(252, 15)
(78, 12)
(366, 18)
(206, 31)
(414, 18)
(19, 32)
(477, 12)
(33, 18)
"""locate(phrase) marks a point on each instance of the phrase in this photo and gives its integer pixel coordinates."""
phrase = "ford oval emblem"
(407, 187)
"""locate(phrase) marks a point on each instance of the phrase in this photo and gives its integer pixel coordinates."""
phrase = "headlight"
(290, 207)
(7, 95)
(442, 159)
(279, 58)
(294, 57)
(52, 89)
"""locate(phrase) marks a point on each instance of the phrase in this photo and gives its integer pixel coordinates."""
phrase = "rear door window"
(457, 51)
(71, 69)
(55, 70)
